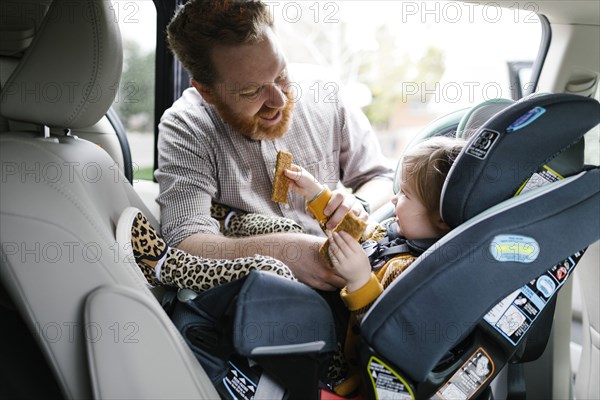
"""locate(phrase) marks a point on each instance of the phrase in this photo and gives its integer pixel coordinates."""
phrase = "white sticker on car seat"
(514, 248)
(515, 314)
(469, 378)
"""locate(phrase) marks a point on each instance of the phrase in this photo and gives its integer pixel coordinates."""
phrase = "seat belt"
(533, 347)
(515, 381)
(268, 389)
(392, 245)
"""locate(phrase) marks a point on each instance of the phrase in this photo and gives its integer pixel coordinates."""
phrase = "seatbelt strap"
(268, 389)
(516, 388)
(392, 251)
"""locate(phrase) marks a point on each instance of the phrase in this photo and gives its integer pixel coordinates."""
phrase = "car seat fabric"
(64, 85)
(17, 29)
(300, 322)
(433, 305)
(524, 136)
(60, 200)
(414, 315)
(478, 115)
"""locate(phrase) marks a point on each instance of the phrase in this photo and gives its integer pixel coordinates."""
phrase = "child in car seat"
(417, 204)
(417, 214)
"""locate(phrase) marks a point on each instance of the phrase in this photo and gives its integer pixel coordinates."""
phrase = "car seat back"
(19, 24)
(101, 330)
(493, 251)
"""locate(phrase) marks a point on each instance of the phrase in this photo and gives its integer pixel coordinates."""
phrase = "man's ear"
(205, 91)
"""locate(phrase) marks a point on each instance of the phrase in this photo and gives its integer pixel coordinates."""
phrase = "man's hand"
(340, 203)
(309, 267)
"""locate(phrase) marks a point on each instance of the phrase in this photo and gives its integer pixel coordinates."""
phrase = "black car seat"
(101, 331)
(481, 296)
(533, 234)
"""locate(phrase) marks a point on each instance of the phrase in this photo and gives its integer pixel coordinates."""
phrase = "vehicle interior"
(78, 322)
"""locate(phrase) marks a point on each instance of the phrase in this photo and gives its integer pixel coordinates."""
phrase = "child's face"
(414, 221)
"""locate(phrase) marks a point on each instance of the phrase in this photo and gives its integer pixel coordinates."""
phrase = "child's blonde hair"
(425, 167)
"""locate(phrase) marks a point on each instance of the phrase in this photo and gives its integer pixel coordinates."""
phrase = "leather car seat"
(101, 330)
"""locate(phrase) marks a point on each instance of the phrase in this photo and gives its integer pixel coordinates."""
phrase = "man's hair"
(200, 25)
(425, 167)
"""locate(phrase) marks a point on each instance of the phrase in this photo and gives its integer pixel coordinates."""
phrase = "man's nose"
(275, 96)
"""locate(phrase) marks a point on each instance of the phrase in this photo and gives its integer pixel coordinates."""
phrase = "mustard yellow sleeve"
(317, 206)
(364, 296)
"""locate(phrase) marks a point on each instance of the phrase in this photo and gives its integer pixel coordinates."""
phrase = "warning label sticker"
(513, 316)
(388, 384)
(540, 178)
(239, 385)
(469, 378)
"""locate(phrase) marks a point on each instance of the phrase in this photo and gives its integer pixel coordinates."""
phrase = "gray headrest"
(19, 21)
(478, 115)
(508, 148)
(69, 75)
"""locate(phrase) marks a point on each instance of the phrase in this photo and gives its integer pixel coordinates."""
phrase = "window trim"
(119, 129)
(536, 70)
(165, 67)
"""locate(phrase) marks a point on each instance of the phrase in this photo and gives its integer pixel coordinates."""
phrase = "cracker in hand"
(281, 182)
(350, 224)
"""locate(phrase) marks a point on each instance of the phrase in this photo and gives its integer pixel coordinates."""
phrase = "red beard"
(251, 127)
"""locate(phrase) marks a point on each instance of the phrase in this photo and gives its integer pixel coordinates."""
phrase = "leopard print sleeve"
(236, 223)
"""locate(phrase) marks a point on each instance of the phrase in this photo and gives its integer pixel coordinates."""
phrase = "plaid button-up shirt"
(202, 159)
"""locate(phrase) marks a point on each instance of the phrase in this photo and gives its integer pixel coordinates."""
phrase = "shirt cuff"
(363, 296)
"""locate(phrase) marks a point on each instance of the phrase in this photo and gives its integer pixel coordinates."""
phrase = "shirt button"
(287, 206)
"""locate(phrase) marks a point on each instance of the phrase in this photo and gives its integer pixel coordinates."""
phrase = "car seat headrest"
(69, 75)
(15, 38)
(477, 115)
(18, 24)
(509, 147)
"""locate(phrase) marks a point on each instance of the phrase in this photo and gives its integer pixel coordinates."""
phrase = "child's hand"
(349, 260)
(302, 182)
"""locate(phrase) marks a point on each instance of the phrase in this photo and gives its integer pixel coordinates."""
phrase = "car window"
(406, 63)
(134, 102)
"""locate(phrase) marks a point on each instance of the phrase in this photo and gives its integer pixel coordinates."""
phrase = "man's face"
(252, 92)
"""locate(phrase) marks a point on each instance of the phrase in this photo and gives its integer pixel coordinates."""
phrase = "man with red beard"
(219, 141)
